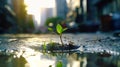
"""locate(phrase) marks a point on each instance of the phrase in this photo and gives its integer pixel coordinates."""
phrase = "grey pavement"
(89, 42)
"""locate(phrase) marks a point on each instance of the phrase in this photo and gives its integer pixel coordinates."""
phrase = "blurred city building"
(93, 15)
(7, 17)
(19, 9)
(108, 11)
(41, 10)
(85, 15)
(61, 8)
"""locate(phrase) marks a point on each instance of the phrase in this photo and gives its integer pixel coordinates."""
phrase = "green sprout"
(59, 30)
(44, 46)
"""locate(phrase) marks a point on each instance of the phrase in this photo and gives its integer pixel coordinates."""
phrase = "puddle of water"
(34, 58)
(67, 60)
(11, 61)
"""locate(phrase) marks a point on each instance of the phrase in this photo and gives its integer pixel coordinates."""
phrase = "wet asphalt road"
(90, 42)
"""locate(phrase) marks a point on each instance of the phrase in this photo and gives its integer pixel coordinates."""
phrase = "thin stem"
(61, 39)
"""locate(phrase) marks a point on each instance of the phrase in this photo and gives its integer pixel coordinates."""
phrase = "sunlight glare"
(34, 7)
(37, 61)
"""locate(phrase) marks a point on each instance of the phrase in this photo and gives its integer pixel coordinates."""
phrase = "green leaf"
(59, 64)
(65, 29)
(50, 66)
(50, 29)
(59, 29)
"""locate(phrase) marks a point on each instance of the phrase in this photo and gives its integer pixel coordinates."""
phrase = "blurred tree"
(30, 23)
(19, 8)
(53, 21)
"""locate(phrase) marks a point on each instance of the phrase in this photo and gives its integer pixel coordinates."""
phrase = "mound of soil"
(59, 47)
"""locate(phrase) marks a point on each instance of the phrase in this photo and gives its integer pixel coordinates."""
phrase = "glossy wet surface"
(68, 60)
(23, 50)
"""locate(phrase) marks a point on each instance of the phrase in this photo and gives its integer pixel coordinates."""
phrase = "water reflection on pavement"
(23, 50)
(68, 60)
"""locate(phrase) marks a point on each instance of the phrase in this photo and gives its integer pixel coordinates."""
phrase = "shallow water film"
(23, 50)
(66, 59)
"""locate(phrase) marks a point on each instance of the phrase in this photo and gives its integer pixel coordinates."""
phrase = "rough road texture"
(88, 42)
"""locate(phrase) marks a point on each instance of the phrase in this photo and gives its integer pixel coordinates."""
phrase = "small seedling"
(59, 31)
(44, 46)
